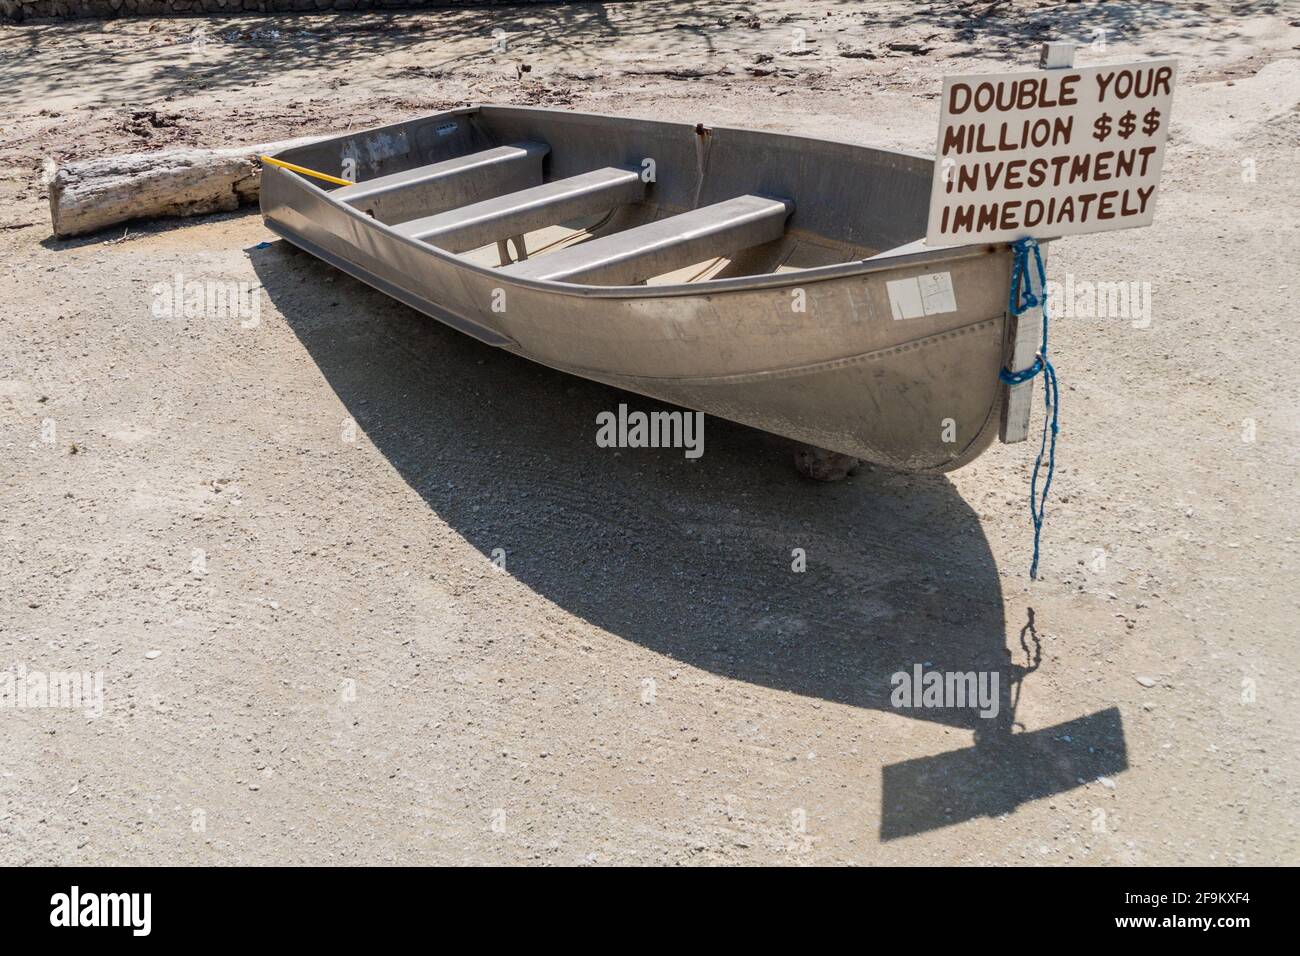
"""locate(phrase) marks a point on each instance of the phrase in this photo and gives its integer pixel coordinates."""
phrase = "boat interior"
(598, 200)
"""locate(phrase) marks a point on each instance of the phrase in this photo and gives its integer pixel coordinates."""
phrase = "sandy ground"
(308, 655)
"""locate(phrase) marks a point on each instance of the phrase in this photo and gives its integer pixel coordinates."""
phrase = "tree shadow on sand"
(233, 52)
(693, 560)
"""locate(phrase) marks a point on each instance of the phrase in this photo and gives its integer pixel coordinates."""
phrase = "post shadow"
(693, 559)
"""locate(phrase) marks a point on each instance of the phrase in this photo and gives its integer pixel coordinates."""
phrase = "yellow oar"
(306, 172)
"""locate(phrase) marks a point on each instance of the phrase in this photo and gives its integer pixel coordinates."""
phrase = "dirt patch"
(276, 538)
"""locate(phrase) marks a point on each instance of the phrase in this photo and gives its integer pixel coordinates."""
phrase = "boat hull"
(818, 355)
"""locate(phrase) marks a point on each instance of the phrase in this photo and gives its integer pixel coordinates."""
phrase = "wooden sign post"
(1023, 331)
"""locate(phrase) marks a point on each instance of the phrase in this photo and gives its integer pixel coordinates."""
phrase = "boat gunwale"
(880, 262)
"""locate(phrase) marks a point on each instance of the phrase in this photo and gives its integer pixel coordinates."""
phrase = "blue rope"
(1021, 300)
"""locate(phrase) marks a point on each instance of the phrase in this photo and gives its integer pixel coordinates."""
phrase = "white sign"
(1050, 152)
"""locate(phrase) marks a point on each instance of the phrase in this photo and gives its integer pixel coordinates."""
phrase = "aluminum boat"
(774, 280)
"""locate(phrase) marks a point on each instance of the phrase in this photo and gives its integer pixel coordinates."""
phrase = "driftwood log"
(92, 194)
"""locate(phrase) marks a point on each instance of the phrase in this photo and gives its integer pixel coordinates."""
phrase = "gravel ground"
(274, 539)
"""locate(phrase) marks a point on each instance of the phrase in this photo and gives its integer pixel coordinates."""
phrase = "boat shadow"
(699, 560)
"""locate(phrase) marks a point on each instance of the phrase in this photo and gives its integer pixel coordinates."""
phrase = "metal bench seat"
(634, 255)
(517, 213)
(400, 197)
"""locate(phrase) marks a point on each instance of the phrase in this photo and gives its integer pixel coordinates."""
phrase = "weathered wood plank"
(1025, 335)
